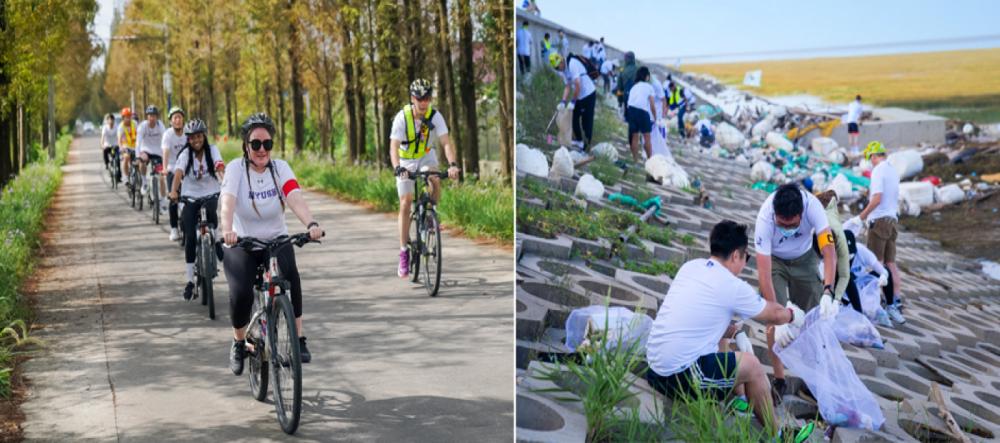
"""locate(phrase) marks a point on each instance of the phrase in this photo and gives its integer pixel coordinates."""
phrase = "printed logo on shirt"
(760, 242)
(261, 195)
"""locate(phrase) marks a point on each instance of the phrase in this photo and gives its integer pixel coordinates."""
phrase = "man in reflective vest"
(126, 142)
(411, 149)
(679, 99)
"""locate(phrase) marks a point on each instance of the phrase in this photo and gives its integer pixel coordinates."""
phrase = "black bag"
(592, 70)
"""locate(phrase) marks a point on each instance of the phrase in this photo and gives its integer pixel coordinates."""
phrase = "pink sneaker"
(404, 264)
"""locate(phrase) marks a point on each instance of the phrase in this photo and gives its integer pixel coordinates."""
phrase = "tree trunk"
(351, 123)
(362, 113)
(503, 67)
(298, 107)
(467, 85)
(446, 79)
(281, 96)
(381, 144)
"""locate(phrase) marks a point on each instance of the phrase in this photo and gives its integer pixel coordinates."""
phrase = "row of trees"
(46, 47)
(333, 74)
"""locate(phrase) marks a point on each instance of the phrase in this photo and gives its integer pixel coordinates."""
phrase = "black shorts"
(714, 374)
(852, 128)
(638, 121)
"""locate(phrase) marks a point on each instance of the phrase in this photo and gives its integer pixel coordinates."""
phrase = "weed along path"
(126, 359)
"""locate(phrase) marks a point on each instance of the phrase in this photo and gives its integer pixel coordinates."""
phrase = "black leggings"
(241, 266)
(583, 119)
(852, 294)
(173, 206)
(190, 218)
(887, 290)
(108, 155)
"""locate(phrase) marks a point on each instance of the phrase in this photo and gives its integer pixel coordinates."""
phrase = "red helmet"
(126, 112)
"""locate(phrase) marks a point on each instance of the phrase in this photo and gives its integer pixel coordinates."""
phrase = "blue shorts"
(713, 374)
(638, 121)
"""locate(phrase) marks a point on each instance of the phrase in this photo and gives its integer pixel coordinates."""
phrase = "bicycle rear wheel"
(154, 193)
(257, 359)
(131, 186)
(431, 233)
(207, 264)
(286, 363)
(414, 248)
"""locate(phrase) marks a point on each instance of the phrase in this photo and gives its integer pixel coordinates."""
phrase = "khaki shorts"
(796, 279)
(882, 239)
(404, 186)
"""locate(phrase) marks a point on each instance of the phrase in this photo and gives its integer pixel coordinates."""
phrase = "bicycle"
(206, 263)
(154, 169)
(115, 168)
(134, 182)
(425, 234)
(270, 348)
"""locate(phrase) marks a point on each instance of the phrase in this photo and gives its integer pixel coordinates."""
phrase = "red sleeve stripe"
(289, 186)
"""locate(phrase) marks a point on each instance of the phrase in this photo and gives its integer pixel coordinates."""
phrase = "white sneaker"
(174, 236)
(145, 189)
(882, 318)
(895, 315)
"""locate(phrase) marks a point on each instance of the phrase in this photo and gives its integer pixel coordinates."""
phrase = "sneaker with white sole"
(882, 318)
(895, 315)
(144, 189)
(404, 264)
(174, 236)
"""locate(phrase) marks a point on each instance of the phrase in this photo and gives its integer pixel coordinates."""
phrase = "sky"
(102, 23)
(753, 30)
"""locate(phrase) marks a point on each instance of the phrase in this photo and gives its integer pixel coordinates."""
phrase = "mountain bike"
(206, 263)
(425, 234)
(135, 181)
(272, 341)
(115, 168)
(154, 168)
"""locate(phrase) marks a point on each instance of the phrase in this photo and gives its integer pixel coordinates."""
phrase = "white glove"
(855, 225)
(883, 279)
(570, 106)
(561, 106)
(827, 307)
(743, 342)
(784, 334)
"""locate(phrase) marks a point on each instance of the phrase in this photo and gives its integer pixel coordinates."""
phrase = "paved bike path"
(128, 360)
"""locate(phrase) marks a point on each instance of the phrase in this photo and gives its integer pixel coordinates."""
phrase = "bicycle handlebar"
(192, 200)
(296, 239)
(438, 174)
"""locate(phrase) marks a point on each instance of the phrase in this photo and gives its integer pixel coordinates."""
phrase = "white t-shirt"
(639, 96)
(865, 260)
(853, 112)
(769, 240)
(399, 128)
(599, 52)
(109, 134)
(576, 70)
(607, 67)
(658, 88)
(199, 182)
(695, 313)
(588, 51)
(148, 138)
(268, 221)
(171, 145)
(524, 42)
(885, 180)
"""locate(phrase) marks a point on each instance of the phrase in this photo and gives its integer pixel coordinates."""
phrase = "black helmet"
(421, 88)
(195, 126)
(258, 120)
(152, 110)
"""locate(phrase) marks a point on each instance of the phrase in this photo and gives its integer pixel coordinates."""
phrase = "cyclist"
(109, 139)
(412, 128)
(150, 134)
(199, 167)
(255, 191)
(126, 142)
(172, 144)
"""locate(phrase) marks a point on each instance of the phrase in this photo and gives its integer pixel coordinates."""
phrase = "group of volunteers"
(255, 191)
(795, 231)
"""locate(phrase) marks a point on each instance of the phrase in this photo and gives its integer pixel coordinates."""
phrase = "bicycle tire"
(432, 253)
(414, 248)
(288, 410)
(257, 360)
(131, 188)
(208, 292)
(138, 186)
(155, 199)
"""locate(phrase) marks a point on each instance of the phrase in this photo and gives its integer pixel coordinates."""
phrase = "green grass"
(572, 220)
(23, 204)
(653, 267)
(605, 171)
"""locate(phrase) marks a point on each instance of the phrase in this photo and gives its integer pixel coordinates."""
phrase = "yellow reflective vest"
(415, 146)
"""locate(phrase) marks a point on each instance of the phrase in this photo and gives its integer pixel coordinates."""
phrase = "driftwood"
(953, 428)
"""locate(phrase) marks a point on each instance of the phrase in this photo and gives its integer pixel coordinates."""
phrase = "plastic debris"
(853, 327)
(618, 325)
(778, 141)
(908, 163)
(729, 137)
(606, 150)
(823, 145)
(589, 187)
(531, 161)
(949, 194)
(562, 164)
(762, 171)
(917, 193)
(667, 171)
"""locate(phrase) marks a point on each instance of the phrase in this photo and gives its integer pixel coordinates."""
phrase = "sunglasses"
(256, 144)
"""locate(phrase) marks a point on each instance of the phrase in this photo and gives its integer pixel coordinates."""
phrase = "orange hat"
(126, 112)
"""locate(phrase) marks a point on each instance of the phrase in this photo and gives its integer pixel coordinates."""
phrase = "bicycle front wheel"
(256, 359)
(154, 194)
(207, 265)
(415, 247)
(431, 252)
(286, 363)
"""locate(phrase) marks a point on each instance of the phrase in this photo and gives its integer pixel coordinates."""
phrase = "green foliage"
(607, 125)
(605, 171)
(658, 234)
(687, 240)
(653, 267)
(537, 106)
(572, 220)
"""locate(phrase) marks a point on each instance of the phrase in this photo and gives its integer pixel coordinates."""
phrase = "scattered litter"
(853, 327)
(991, 269)
(667, 171)
(932, 179)
(589, 187)
(729, 137)
(762, 171)
(842, 186)
(531, 161)
(618, 325)
(949, 194)
(823, 145)
(606, 150)
(778, 141)
(658, 140)
(564, 121)
(908, 163)
(918, 193)
(562, 164)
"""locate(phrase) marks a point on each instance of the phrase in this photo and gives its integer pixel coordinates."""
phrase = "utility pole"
(167, 80)
(52, 118)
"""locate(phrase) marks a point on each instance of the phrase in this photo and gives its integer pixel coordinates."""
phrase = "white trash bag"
(816, 357)
(823, 145)
(564, 121)
(842, 186)
(853, 327)
(589, 187)
(762, 127)
(531, 161)
(623, 327)
(667, 171)
(870, 294)
(761, 171)
(606, 150)
(907, 163)
(778, 141)
(562, 164)
(658, 141)
(949, 194)
(918, 193)
(729, 137)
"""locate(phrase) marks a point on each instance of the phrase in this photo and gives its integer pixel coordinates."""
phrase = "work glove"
(561, 106)
(743, 342)
(784, 334)
(827, 307)
(883, 279)
(570, 106)
(855, 225)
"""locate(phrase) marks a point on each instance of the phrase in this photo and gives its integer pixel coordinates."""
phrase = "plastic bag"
(562, 164)
(918, 193)
(606, 150)
(762, 171)
(778, 141)
(589, 187)
(763, 127)
(658, 140)
(667, 171)
(870, 294)
(837, 156)
(816, 357)
(853, 327)
(564, 121)
(907, 163)
(823, 145)
(623, 326)
(949, 194)
(841, 186)
(729, 137)
(531, 161)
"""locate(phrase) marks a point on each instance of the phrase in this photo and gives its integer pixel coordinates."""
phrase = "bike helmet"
(194, 126)
(555, 59)
(150, 110)
(175, 110)
(126, 112)
(421, 88)
(258, 120)
(874, 148)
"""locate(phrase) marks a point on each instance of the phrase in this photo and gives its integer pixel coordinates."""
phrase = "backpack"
(592, 70)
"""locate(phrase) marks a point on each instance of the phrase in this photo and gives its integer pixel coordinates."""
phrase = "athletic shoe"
(174, 236)
(740, 406)
(895, 315)
(236, 355)
(404, 264)
(882, 318)
(144, 189)
(304, 351)
(799, 435)
(189, 291)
